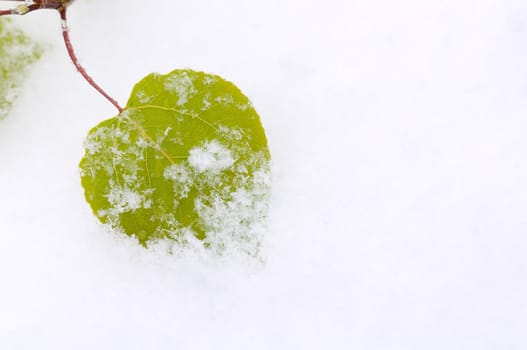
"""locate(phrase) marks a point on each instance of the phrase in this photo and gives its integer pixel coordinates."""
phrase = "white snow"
(212, 157)
(124, 200)
(183, 86)
(397, 130)
(232, 210)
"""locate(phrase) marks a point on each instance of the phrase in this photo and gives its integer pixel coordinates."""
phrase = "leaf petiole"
(76, 63)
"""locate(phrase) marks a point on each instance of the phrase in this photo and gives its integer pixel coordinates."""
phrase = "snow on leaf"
(186, 161)
(212, 157)
(17, 52)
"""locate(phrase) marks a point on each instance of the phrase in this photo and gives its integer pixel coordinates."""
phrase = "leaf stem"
(76, 63)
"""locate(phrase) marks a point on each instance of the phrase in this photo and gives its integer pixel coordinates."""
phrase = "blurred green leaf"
(17, 53)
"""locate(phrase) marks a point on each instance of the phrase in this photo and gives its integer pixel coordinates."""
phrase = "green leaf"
(187, 161)
(17, 52)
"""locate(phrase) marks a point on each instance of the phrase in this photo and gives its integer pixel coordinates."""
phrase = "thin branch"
(21, 9)
(8, 12)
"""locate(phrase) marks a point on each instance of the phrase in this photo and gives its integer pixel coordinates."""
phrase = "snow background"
(397, 130)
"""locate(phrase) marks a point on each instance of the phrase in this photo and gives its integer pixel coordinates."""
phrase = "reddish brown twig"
(8, 12)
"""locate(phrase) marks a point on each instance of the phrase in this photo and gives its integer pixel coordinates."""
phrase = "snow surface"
(397, 130)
